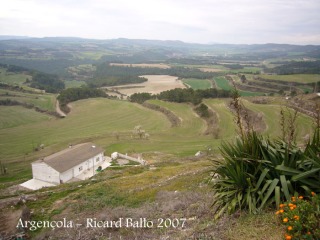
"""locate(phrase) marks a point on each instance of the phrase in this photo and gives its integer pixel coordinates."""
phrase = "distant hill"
(55, 54)
(9, 37)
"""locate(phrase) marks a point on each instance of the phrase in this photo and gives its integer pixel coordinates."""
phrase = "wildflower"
(293, 199)
(313, 193)
(296, 217)
(285, 220)
(288, 237)
(290, 228)
(290, 204)
(293, 207)
(300, 197)
(277, 212)
(309, 233)
(283, 205)
(281, 211)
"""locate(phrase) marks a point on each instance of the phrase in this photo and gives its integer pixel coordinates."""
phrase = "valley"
(185, 108)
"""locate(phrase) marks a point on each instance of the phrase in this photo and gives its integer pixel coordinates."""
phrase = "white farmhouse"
(77, 162)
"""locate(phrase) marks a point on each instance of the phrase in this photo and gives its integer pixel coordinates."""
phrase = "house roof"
(72, 156)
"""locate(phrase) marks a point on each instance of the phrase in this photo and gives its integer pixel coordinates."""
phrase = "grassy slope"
(16, 115)
(97, 120)
(222, 83)
(12, 78)
(43, 101)
(226, 119)
(74, 83)
(272, 117)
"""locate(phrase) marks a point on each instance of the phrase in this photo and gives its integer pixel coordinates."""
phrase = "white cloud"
(231, 21)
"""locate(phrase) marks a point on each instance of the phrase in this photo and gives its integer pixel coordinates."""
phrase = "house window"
(80, 169)
(97, 159)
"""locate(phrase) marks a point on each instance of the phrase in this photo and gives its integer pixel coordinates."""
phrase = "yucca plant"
(257, 171)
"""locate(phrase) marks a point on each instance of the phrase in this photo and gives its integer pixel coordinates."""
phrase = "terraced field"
(12, 78)
(109, 123)
(299, 78)
(226, 119)
(43, 101)
(271, 115)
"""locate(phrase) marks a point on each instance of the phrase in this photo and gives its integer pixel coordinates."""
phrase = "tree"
(141, 133)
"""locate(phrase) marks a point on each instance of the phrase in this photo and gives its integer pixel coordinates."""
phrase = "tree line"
(182, 95)
(297, 67)
(74, 94)
(49, 82)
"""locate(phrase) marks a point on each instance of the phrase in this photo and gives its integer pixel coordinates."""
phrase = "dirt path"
(58, 110)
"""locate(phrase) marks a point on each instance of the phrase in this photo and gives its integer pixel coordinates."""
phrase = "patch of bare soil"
(154, 85)
(8, 221)
(170, 208)
(59, 111)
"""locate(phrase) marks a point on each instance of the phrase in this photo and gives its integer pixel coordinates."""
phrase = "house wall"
(66, 176)
(80, 168)
(42, 171)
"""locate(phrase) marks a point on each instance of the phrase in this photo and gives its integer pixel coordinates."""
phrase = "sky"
(194, 21)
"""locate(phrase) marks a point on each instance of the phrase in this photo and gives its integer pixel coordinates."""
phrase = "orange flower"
(285, 220)
(277, 212)
(288, 237)
(281, 211)
(293, 207)
(309, 233)
(282, 205)
(296, 217)
(290, 228)
(300, 197)
(293, 199)
(290, 204)
(313, 193)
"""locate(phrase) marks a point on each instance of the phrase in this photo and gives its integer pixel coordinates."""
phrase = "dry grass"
(154, 85)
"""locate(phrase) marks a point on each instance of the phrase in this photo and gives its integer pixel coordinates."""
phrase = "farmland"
(197, 83)
(222, 83)
(154, 85)
(298, 78)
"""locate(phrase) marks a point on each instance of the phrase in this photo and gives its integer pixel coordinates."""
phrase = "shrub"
(301, 216)
(257, 172)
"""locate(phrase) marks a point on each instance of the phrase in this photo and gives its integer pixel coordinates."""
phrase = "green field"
(226, 119)
(74, 83)
(16, 115)
(223, 83)
(13, 78)
(299, 78)
(44, 101)
(271, 115)
(197, 83)
(100, 120)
